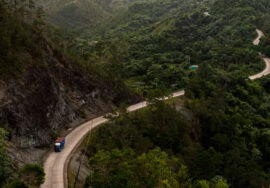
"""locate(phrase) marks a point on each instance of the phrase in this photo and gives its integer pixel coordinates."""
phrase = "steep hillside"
(135, 16)
(42, 89)
(70, 14)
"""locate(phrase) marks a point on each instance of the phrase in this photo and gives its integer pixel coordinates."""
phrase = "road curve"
(256, 42)
(55, 164)
(266, 71)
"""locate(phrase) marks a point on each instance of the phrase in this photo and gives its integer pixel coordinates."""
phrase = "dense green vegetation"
(26, 40)
(153, 169)
(234, 119)
(80, 15)
(162, 39)
(231, 142)
(228, 139)
(17, 37)
(149, 148)
(32, 175)
(157, 41)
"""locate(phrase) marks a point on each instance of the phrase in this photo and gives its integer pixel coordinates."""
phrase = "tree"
(110, 168)
(221, 183)
(183, 177)
(155, 169)
(17, 184)
(201, 184)
(33, 175)
(123, 169)
(206, 164)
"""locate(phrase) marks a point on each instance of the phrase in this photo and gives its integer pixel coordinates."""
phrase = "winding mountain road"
(55, 165)
(256, 42)
(266, 71)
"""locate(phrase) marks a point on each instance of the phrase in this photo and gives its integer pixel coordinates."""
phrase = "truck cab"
(59, 144)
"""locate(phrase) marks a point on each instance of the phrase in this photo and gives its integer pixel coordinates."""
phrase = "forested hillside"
(43, 89)
(161, 40)
(227, 143)
(74, 16)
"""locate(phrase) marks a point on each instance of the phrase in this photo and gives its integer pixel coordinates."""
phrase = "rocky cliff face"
(49, 97)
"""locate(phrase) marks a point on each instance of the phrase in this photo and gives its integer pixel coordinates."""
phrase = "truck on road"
(59, 144)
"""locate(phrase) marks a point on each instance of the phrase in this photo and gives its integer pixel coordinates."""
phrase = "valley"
(75, 69)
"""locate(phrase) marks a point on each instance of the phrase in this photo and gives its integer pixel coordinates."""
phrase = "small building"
(193, 67)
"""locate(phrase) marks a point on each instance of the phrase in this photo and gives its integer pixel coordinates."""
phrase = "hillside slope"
(164, 39)
(42, 89)
(74, 15)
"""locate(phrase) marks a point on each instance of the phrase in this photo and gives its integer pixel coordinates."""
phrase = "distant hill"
(73, 15)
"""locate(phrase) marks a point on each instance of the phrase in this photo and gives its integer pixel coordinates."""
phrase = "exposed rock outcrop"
(49, 97)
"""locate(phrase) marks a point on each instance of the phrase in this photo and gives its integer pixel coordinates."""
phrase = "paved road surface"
(55, 164)
(266, 71)
(256, 42)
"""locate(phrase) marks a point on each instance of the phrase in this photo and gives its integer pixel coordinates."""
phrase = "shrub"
(32, 174)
